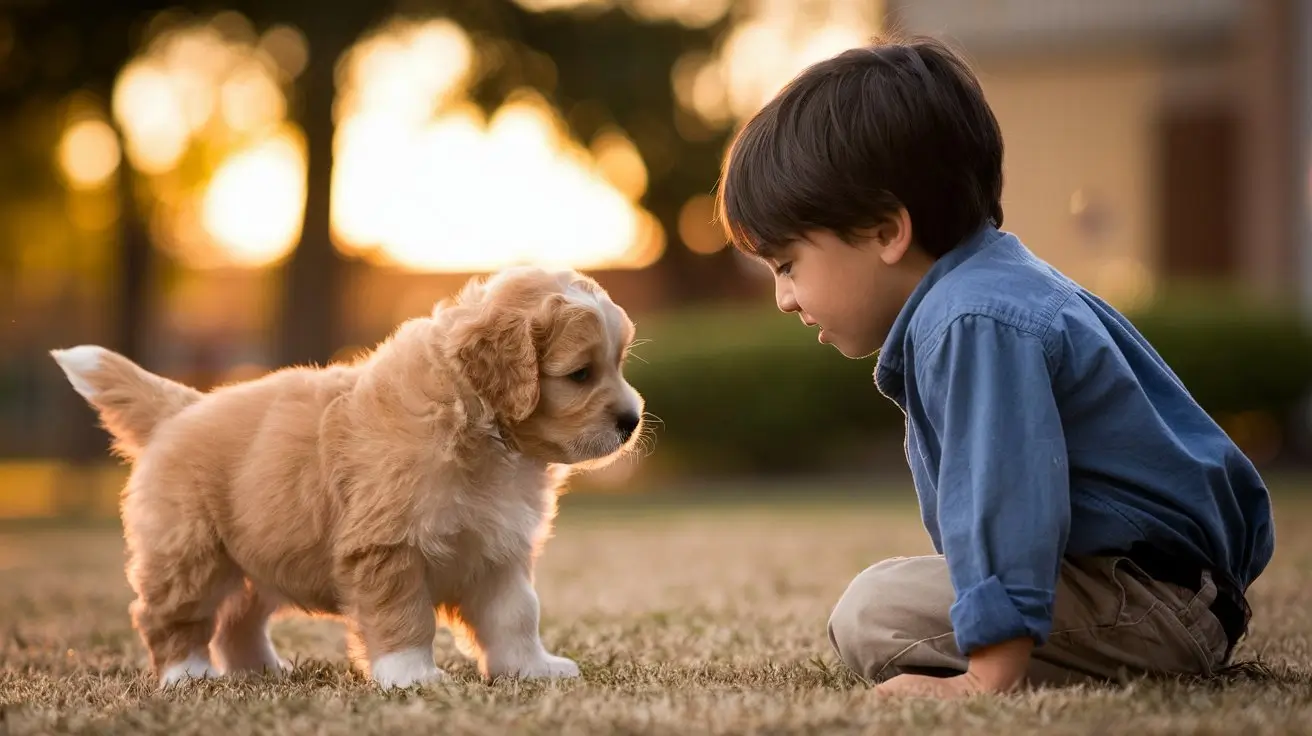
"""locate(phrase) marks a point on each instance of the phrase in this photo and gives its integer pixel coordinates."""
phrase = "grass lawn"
(686, 618)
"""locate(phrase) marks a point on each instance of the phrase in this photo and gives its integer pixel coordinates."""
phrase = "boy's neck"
(920, 266)
(916, 264)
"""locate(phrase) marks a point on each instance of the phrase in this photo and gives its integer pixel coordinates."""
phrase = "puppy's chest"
(471, 526)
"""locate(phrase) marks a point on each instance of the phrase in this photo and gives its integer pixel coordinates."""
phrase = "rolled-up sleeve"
(1003, 484)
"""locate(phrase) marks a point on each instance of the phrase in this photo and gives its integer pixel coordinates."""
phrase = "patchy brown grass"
(690, 619)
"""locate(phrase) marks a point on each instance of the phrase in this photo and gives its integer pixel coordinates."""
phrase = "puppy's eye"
(581, 375)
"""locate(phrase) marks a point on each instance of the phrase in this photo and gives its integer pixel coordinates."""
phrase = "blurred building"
(1148, 141)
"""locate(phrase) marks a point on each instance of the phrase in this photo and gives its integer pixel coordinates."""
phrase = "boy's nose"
(783, 296)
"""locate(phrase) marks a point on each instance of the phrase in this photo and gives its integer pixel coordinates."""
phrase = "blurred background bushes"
(742, 390)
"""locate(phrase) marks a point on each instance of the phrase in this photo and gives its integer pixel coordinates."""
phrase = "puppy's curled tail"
(131, 401)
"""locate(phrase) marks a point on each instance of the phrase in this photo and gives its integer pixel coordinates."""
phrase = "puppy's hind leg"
(242, 642)
(502, 613)
(180, 582)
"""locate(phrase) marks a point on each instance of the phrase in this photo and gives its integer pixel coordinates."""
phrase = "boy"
(1092, 520)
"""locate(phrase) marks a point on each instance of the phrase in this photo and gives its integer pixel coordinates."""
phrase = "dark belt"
(1230, 607)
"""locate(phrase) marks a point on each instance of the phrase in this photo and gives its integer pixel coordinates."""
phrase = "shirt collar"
(889, 366)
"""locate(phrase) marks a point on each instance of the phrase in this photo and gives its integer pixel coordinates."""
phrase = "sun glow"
(771, 41)
(422, 178)
(203, 114)
(424, 181)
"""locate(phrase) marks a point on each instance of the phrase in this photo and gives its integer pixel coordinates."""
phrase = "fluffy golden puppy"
(414, 485)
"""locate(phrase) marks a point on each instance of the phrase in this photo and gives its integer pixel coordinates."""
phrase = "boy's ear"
(894, 237)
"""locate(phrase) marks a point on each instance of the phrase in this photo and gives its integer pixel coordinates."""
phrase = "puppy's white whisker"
(646, 444)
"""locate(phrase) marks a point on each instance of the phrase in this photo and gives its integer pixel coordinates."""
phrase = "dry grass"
(686, 620)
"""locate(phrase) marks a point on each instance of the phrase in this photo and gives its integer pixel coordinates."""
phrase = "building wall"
(1063, 26)
(1079, 166)
(1121, 75)
(1269, 44)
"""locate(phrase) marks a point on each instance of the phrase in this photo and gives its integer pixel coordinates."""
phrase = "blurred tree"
(47, 50)
(308, 324)
(599, 67)
(50, 49)
(56, 47)
(608, 67)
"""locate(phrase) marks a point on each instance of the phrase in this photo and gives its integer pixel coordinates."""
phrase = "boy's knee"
(888, 609)
(864, 627)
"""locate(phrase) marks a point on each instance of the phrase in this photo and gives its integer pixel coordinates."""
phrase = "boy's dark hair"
(899, 122)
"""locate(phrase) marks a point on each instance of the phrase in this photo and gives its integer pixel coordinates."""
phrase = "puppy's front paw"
(406, 668)
(196, 666)
(549, 666)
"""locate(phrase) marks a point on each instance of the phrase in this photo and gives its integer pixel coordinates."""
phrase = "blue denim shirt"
(1039, 424)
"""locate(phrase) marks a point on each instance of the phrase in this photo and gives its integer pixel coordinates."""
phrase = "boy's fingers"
(925, 687)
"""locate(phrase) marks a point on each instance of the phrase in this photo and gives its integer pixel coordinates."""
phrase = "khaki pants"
(1110, 620)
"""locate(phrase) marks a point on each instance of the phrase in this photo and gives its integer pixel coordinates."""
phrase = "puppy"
(413, 486)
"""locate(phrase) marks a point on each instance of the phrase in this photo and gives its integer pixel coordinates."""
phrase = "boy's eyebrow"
(778, 250)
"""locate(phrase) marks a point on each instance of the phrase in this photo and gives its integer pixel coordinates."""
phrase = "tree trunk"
(86, 441)
(130, 321)
(310, 309)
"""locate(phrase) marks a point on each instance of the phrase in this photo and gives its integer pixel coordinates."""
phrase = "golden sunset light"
(770, 42)
(454, 190)
(691, 13)
(203, 112)
(422, 179)
(88, 153)
(252, 206)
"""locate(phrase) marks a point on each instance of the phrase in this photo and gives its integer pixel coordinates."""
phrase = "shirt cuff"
(986, 614)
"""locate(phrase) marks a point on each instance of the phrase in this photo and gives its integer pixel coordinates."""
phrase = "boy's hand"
(923, 686)
(996, 669)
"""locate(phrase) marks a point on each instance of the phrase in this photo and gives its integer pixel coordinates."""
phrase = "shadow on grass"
(832, 674)
(1254, 671)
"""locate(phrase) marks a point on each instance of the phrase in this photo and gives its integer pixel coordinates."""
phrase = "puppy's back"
(246, 459)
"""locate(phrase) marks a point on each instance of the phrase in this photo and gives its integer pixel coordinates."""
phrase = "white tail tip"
(77, 363)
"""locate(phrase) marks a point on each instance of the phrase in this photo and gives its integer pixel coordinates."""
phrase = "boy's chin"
(847, 349)
(854, 354)
(858, 354)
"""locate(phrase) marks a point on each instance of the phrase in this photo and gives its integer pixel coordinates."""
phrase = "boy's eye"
(580, 375)
(784, 269)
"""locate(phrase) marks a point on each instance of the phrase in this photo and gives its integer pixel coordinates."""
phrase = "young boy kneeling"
(1092, 519)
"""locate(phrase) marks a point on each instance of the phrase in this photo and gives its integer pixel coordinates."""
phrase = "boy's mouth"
(812, 323)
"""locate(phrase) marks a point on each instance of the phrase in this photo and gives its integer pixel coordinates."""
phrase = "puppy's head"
(546, 350)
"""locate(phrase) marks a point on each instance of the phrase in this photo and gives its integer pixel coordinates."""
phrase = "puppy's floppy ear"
(563, 320)
(498, 355)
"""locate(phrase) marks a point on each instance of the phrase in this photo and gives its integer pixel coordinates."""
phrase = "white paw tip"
(549, 667)
(78, 362)
(562, 667)
(193, 667)
(406, 668)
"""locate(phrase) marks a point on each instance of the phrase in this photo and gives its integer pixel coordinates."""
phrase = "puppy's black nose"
(626, 423)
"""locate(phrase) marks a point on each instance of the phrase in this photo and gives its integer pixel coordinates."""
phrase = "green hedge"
(1233, 357)
(751, 390)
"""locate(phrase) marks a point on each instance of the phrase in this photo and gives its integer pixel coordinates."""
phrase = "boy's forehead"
(778, 251)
